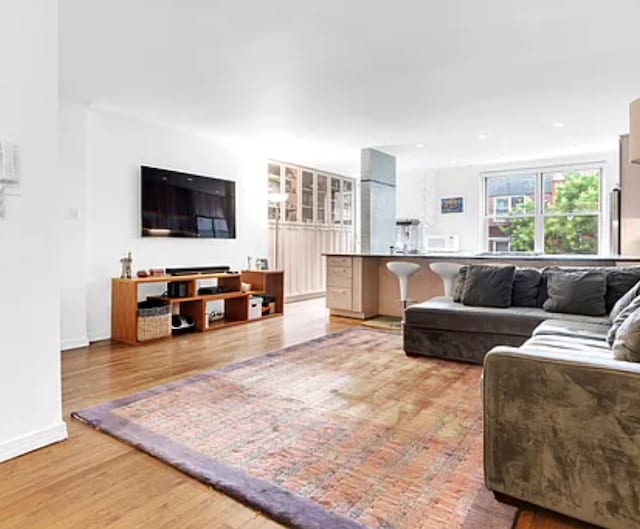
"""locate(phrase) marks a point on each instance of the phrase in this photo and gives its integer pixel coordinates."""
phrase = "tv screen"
(185, 205)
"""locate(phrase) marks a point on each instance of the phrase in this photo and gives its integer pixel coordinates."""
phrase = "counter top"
(493, 257)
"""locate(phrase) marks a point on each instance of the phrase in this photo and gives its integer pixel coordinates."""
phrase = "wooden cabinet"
(124, 300)
(352, 287)
(313, 197)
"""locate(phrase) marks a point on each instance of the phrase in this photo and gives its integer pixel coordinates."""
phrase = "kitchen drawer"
(340, 262)
(339, 298)
(339, 276)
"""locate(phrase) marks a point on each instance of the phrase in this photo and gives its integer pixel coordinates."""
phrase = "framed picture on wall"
(451, 205)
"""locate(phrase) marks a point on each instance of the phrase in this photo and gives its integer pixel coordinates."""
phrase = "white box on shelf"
(255, 307)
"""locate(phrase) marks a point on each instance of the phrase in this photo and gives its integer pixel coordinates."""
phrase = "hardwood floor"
(93, 481)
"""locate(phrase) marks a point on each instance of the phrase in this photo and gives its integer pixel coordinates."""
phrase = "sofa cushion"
(443, 313)
(526, 287)
(627, 343)
(458, 285)
(589, 348)
(621, 318)
(619, 281)
(624, 301)
(488, 286)
(576, 292)
(557, 327)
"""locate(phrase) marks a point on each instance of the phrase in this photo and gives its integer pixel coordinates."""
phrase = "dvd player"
(197, 270)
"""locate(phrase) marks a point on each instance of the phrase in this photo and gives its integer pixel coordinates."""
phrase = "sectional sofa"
(561, 415)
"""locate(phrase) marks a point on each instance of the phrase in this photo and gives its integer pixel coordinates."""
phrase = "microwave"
(442, 243)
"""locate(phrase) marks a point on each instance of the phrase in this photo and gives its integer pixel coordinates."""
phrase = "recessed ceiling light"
(419, 145)
(558, 124)
(482, 136)
(452, 162)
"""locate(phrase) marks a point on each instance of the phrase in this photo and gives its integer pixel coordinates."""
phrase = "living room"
(419, 200)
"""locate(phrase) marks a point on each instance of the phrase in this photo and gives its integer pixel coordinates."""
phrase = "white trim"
(99, 336)
(33, 441)
(74, 343)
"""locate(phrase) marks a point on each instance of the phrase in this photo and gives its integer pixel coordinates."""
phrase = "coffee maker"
(407, 236)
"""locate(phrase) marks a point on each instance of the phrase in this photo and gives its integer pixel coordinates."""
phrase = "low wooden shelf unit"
(124, 300)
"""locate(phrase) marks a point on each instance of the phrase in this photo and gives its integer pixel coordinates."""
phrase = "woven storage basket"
(154, 323)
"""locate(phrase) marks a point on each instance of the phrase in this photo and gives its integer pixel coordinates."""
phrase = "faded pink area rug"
(343, 432)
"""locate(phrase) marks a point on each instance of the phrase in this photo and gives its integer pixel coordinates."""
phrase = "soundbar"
(197, 270)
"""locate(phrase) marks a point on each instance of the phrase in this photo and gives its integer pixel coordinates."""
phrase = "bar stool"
(403, 270)
(448, 273)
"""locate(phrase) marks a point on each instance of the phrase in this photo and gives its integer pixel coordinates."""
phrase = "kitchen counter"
(359, 285)
(494, 257)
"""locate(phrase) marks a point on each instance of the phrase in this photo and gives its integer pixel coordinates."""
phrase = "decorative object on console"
(262, 263)
(451, 205)
(155, 272)
(127, 265)
(142, 273)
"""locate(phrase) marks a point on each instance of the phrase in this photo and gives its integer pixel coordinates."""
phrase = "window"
(551, 212)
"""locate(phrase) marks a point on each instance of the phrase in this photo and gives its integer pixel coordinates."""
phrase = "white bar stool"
(403, 270)
(448, 273)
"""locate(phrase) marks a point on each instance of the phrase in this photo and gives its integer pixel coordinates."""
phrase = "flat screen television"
(178, 204)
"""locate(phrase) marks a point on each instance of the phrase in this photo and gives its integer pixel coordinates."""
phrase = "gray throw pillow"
(526, 287)
(619, 281)
(627, 344)
(576, 292)
(488, 286)
(624, 301)
(458, 284)
(621, 318)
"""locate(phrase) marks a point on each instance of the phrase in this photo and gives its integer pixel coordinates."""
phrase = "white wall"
(73, 170)
(116, 147)
(30, 394)
(419, 193)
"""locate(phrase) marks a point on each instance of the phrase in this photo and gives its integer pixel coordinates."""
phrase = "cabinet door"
(321, 198)
(275, 186)
(347, 202)
(336, 201)
(292, 190)
(307, 197)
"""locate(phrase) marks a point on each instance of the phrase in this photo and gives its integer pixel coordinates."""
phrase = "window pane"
(572, 192)
(571, 234)
(511, 195)
(512, 234)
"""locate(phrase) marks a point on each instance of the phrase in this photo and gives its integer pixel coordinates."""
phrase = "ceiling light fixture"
(558, 124)
(419, 145)
(482, 136)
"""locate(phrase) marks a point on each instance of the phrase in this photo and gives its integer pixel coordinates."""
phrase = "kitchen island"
(360, 286)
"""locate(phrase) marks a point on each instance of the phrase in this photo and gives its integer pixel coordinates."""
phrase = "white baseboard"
(27, 443)
(99, 336)
(304, 297)
(74, 343)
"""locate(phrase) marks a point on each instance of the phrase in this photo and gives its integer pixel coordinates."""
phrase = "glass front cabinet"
(313, 197)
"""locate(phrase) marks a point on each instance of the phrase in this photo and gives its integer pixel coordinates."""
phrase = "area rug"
(343, 432)
(389, 323)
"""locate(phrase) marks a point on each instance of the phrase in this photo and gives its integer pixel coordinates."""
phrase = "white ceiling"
(333, 76)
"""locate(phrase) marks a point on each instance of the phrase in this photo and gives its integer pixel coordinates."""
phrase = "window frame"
(539, 215)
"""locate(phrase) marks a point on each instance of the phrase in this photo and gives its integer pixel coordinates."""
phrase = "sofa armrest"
(562, 431)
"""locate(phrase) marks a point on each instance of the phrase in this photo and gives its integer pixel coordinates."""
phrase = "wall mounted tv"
(185, 205)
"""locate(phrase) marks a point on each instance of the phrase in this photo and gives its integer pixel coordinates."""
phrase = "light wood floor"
(94, 481)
